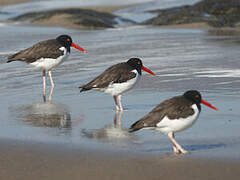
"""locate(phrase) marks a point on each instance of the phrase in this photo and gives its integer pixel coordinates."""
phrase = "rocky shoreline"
(206, 13)
(216, 13)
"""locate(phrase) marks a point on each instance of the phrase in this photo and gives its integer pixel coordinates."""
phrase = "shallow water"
(183, 59)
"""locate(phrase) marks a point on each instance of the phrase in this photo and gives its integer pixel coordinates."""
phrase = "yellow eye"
(139, 62)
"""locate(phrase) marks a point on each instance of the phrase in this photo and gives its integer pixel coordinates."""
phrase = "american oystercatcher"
(46, 55)
(173, 115)
(118, 79)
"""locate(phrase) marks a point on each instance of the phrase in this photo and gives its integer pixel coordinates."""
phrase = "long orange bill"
(148, 70)
(209, 105)
(79, 48)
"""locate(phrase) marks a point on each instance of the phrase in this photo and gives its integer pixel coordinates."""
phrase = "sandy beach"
(32, 160)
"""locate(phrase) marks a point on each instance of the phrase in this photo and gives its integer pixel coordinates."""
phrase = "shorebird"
(46, 55)
(173, 115)
(118, 79)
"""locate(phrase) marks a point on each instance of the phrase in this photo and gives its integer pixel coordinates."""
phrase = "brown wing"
(173, 108)
(115, 74)
(44, 49)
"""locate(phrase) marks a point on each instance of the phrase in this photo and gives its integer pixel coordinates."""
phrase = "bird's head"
(196, 98)
(136, 63)
(67, 42)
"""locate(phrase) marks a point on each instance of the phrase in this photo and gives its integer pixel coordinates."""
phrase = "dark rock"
(83, 17)
(217, 13)
(178, 15)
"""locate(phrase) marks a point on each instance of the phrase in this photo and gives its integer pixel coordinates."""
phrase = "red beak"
(209, 105)
(79, 48)
(148, 70)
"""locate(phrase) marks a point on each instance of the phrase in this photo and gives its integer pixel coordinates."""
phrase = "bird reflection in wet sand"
(45, 114)
(110, 133)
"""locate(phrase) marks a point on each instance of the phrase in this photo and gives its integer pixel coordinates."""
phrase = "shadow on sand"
(194, 147)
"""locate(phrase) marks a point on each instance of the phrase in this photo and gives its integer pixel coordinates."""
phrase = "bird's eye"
(68, 39)
(197, 96)
(139, 62)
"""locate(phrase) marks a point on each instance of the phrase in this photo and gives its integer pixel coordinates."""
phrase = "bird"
(46, 55)
(118, 79)
(173, 115)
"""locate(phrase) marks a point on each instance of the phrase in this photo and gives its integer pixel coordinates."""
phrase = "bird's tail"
(12, 58)
(136, 126)
(82, 88)
(9, 61)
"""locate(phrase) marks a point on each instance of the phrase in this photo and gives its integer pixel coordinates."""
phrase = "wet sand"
(63, 21)
(32, 160)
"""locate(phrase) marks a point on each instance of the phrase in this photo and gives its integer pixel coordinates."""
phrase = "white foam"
(219, 73)
(6, 52)
(170, 75)
(173, 80)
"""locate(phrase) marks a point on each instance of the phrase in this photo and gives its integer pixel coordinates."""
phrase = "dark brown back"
(174, 108)
(44, 49)
(115, 74)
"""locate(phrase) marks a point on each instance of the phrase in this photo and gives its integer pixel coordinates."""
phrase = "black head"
(136, 63)
(65, 40)
(194, 96)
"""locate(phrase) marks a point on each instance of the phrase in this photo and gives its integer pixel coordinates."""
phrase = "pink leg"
(52, 84)
(51, 79)
(176, 147)
(120, 102)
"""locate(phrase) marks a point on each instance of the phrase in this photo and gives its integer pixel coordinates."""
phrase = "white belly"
(118, 88)
(166, 125)
(49, 63)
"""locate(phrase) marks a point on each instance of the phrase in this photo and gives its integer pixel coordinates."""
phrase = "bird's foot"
(119, 109)
(179, 151)
(183, 151)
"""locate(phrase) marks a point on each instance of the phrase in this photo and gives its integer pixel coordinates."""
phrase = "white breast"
(49, 63)
(118, 88)
(166, 125)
